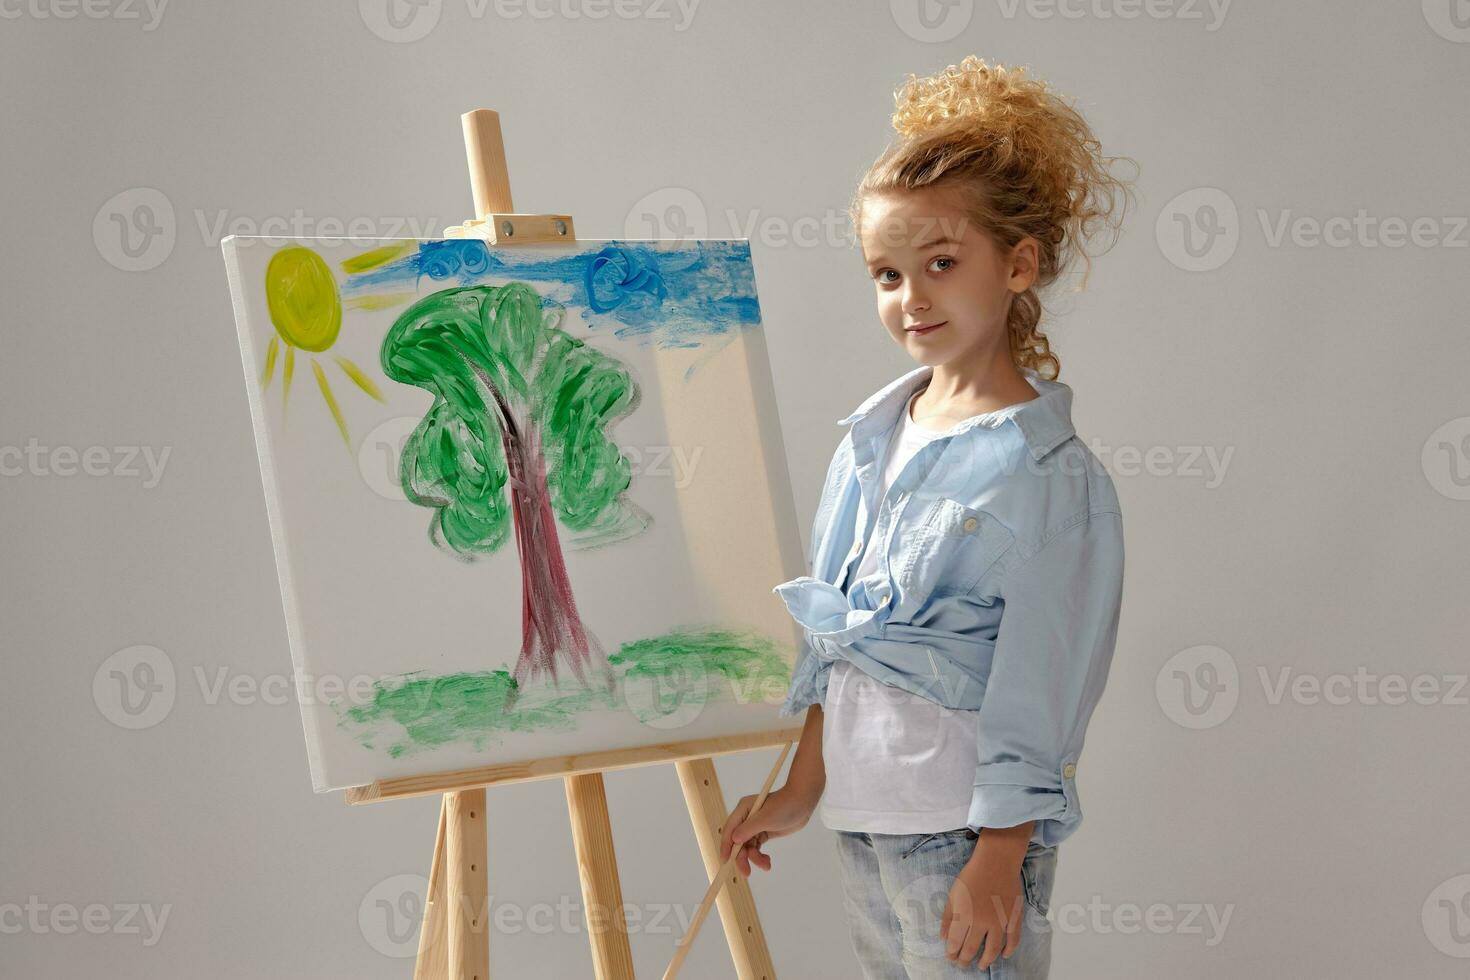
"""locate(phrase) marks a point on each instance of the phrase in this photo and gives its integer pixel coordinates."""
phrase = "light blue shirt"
(999, 585)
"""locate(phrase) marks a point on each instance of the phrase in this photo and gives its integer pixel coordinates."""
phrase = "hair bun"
(971, 95)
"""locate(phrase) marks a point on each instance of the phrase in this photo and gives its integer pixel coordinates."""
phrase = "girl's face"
(943, 285)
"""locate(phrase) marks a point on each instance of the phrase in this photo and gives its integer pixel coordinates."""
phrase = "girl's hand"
(984, 907)
(784, 812)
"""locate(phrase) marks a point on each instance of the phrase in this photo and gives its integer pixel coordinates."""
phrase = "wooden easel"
(454, 943)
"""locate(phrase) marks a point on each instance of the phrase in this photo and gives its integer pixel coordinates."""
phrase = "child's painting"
(526, 501)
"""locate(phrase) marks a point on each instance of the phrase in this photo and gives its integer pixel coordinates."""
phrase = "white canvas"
(421, 596)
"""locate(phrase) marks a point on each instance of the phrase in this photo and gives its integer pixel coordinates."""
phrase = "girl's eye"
(942, 258)
(882, 273)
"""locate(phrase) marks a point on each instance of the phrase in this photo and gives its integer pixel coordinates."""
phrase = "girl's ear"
(1025, 260)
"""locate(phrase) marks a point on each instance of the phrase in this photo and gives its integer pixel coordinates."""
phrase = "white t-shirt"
(897, 763)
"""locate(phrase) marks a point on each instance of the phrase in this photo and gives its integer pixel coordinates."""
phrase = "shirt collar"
(1045, 422)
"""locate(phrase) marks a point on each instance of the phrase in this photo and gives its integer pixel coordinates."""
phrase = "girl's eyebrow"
(942, 240)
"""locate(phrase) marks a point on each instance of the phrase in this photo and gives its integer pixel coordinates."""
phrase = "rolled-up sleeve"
(808, 680)
(809, 673)
(1053, 648)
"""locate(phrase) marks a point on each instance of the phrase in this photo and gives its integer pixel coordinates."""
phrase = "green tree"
(516, 436)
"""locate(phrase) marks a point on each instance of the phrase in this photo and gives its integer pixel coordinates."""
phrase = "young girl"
(967, 553)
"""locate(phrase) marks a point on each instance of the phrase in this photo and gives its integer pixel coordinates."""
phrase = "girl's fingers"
(994, 943)
(974, 939)
(955, 938)
(727, 839)
(1013, 932)
(751, 853)
(748, 851)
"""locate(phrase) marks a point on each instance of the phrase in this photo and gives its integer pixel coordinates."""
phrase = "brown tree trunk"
(551, 627)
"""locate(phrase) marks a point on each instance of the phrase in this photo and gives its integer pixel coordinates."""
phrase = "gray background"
(1327, 380)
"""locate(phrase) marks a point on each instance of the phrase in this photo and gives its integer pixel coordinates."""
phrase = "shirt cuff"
(808, 682)
(1010, 793)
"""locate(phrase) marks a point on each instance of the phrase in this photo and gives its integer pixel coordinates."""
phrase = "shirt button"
(1069, 771)
(970, 523)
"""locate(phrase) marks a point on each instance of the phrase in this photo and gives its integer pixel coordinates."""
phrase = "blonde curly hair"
(1025, 164)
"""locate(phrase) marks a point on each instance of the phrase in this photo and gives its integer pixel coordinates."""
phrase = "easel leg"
(433, 958)
(467, 886)
(597, 865)
(742, 924)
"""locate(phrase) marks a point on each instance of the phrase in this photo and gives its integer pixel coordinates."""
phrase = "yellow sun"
(307, 312)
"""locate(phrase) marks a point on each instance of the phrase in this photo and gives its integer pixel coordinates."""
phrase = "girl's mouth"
(922, 331)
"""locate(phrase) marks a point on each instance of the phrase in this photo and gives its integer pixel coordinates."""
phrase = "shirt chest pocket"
(951, 548)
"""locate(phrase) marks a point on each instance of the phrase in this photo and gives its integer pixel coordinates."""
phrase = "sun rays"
(307, 313)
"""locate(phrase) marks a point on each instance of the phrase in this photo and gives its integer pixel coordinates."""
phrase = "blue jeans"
(896, 887)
